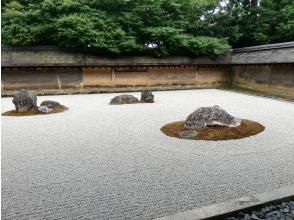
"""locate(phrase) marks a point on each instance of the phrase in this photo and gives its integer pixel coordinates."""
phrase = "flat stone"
(50, 104)
(187, 134)
(44, 109)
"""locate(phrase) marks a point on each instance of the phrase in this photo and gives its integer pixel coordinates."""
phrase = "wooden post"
(196, 74)
(112, 76)
(58, 81)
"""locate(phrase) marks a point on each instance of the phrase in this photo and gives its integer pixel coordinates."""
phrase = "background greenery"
(155, 27)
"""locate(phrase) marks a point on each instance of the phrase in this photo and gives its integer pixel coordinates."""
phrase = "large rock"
(50, 104)
(147, 96)
(123, 99)
(24, 100)
(209, 116)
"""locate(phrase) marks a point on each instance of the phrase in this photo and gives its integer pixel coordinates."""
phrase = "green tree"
(247, 23)
(160, 27)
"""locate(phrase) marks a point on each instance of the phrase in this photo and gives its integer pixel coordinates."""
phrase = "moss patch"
(214, 133)
(34, 111)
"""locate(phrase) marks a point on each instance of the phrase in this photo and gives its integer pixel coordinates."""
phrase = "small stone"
(44, 109)
(247, 217)
(266, 209)
(273, 207)
(187, 134)
(285, 210)
(24, 100)
(123, 99)
(289, 216)
(50, 104)
(147, 96)
(253, 216)
(269, 214)
(278, 214)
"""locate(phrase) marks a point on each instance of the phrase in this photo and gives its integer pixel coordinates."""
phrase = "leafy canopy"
(156, 27)
(160, 27)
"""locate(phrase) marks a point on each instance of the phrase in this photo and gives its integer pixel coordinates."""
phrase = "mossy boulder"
(123, 99)
(147, 96)
(24, 100)
(246, 128)
(212, 123)
(210, 116)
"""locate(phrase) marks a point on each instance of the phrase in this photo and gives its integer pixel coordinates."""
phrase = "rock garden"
(212, 123)
(25, 102)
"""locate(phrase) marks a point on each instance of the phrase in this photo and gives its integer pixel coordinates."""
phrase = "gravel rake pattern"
(98, 161)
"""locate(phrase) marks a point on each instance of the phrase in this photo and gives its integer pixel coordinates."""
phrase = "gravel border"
(280, 211)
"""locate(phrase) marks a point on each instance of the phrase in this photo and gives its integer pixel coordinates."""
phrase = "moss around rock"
(35, 111)
(213, 133)
(25, 102)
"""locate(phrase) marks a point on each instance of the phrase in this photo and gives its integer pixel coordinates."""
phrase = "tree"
(159, 27)
(250, 22)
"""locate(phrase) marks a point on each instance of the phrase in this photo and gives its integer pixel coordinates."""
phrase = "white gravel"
(98, 161)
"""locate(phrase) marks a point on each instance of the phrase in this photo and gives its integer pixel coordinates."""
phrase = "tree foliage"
(248, 23)
(160, 27)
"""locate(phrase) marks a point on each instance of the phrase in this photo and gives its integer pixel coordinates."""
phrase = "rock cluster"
(24, 100)
(147, 96)
(123, 99)
(209, 116)
(284, 210)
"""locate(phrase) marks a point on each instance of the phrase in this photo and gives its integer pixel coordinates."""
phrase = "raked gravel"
(99, 161)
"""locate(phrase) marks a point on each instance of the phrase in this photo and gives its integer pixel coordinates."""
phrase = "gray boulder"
(50, 104)
(147, 96)
(123, 99)
(209, 116)
(24, 100)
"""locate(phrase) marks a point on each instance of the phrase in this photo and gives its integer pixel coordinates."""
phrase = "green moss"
(214, 133)
(35, 111)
